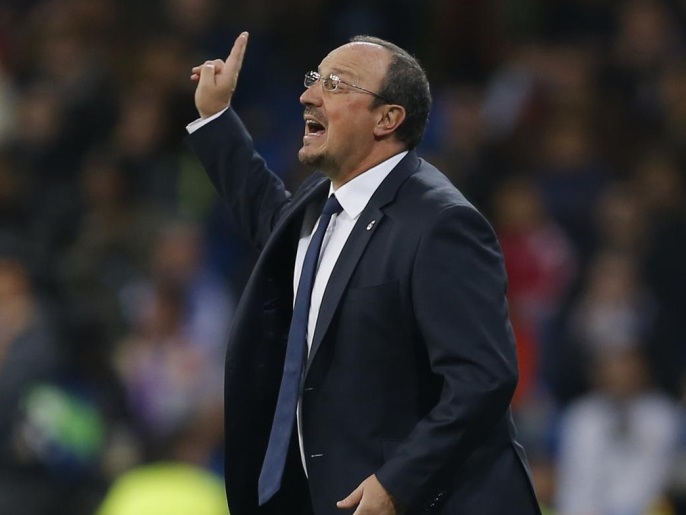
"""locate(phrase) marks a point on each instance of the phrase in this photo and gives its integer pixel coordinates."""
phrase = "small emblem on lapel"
(371, 224)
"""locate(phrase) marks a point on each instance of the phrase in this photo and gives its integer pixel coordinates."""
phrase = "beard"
(308, 159)
(320, 161)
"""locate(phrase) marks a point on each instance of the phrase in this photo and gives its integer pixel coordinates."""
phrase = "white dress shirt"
(200, 122)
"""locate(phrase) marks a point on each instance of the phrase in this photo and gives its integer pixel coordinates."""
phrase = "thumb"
(207, 74)
(352, 500)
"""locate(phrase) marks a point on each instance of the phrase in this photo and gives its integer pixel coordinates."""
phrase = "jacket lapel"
(365, 227)
(310, 193)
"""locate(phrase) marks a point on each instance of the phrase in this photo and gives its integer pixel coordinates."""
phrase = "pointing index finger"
(238, 50)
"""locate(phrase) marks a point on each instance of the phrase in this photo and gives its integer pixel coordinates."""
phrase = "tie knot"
(332, 206)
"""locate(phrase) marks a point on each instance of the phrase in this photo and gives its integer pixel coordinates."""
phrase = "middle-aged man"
(371, 362)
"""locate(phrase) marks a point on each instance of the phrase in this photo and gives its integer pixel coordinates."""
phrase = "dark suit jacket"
(413, 364)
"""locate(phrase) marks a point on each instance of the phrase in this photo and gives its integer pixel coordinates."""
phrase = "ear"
(390, 118)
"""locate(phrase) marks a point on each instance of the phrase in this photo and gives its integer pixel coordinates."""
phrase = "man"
(399, 340)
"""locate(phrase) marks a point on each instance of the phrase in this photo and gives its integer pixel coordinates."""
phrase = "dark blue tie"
(286, 405)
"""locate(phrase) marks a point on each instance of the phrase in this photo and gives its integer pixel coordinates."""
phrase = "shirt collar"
(355, 194)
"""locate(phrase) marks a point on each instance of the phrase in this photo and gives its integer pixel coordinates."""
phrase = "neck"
(341, 176)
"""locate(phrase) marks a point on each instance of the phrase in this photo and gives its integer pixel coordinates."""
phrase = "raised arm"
(255, 195)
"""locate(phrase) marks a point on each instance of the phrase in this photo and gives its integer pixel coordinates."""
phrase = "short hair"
(405, 84)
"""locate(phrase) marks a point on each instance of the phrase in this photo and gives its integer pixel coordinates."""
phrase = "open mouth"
(314, 128)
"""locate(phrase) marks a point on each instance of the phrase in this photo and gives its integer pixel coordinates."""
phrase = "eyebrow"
(336, 71)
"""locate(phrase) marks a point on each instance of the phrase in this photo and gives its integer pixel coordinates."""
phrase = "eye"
(311, 79)
(331, 82)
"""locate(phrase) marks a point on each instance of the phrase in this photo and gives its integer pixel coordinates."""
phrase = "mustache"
(314, 113)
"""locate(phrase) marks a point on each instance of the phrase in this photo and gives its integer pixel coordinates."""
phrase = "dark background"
(564, 121)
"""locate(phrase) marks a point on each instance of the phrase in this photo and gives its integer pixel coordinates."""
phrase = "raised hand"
(217, 79)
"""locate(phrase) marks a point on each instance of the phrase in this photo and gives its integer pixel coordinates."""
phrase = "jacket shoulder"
(431, 192)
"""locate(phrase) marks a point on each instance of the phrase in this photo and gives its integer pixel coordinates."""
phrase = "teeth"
(314, 125)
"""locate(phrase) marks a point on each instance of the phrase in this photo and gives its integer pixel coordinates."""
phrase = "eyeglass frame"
(312, 77)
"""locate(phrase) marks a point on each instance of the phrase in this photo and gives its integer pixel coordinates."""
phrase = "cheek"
(350, 122)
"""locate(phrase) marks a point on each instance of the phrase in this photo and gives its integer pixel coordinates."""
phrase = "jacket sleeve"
(458, 290)
(255, 195)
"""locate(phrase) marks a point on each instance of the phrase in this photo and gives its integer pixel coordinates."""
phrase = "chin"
(320, 160)
(309, 158)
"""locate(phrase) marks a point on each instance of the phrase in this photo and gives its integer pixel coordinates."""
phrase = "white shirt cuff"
(200, 122)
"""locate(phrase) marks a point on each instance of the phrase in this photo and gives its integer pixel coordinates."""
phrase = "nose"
(312, 95)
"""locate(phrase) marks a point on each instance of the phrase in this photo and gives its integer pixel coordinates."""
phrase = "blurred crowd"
(563, 120)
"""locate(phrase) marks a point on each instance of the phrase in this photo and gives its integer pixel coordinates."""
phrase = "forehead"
(357, 59)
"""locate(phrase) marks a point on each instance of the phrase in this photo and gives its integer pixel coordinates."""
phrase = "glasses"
(331, 83)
